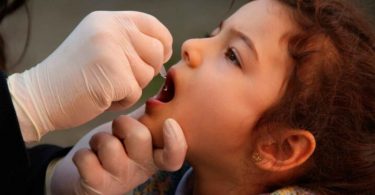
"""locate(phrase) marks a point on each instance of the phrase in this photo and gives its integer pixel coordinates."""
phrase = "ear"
(291, 149)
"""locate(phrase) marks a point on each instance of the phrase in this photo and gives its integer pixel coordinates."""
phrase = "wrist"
(28, 130)
(24, 105)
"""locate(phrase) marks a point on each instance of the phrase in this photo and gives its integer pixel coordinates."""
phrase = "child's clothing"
(176, 183)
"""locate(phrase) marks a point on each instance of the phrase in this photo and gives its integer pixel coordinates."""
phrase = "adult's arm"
(23, 169)
(14, 165)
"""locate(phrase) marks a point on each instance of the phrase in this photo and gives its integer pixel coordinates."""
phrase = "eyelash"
(230, 53)
(232, 56)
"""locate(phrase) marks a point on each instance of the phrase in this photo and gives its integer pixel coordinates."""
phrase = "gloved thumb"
(172, 156)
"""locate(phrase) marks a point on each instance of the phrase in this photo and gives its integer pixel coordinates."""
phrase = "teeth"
(165, 88)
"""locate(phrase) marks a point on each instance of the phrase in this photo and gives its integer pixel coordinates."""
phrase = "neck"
(208, 181)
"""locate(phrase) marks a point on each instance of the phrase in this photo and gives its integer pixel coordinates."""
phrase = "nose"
(191, 52)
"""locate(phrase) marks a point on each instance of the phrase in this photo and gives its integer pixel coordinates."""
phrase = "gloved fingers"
(110, 152)
(152, 27)
(148, 48)
(137, 140)
(86, 189)
(127, 87)
(128, 101)
(143, 71)
(88, 167)
(171, 157)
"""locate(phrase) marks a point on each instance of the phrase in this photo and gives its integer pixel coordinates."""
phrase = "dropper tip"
(163, 72)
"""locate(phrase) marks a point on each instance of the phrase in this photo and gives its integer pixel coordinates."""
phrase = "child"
(279, 99)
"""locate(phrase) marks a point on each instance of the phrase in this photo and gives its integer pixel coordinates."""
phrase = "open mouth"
(167, 92)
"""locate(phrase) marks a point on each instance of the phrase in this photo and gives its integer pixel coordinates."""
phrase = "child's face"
(224, 83)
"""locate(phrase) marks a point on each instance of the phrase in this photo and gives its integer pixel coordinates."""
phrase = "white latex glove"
(104, 63)
(118, 163)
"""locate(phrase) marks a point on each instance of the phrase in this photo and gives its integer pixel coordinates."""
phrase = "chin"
(156, 129)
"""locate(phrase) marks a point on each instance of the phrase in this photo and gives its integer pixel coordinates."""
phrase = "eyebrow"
(245, 38)
(247, 41)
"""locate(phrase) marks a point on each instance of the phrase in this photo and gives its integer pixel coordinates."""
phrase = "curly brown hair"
(332, 94)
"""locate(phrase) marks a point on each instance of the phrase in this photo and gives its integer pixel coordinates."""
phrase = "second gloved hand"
(116, 157)
(104, 63)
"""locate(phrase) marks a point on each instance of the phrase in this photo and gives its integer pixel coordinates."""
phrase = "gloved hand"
(118, 163)
(104, 63)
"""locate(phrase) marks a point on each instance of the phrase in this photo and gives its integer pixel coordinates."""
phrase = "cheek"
(216, 135)
(216, 117)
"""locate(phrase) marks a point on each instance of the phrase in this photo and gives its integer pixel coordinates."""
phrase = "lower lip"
(152, 102)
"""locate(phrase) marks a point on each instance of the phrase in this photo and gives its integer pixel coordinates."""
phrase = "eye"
(232, 56)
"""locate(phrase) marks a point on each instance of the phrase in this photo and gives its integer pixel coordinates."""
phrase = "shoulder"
(292, 190)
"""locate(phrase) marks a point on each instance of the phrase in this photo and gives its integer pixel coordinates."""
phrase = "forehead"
(264, 16)
(269, 24)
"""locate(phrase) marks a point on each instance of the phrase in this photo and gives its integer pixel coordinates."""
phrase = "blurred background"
(36, 30)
